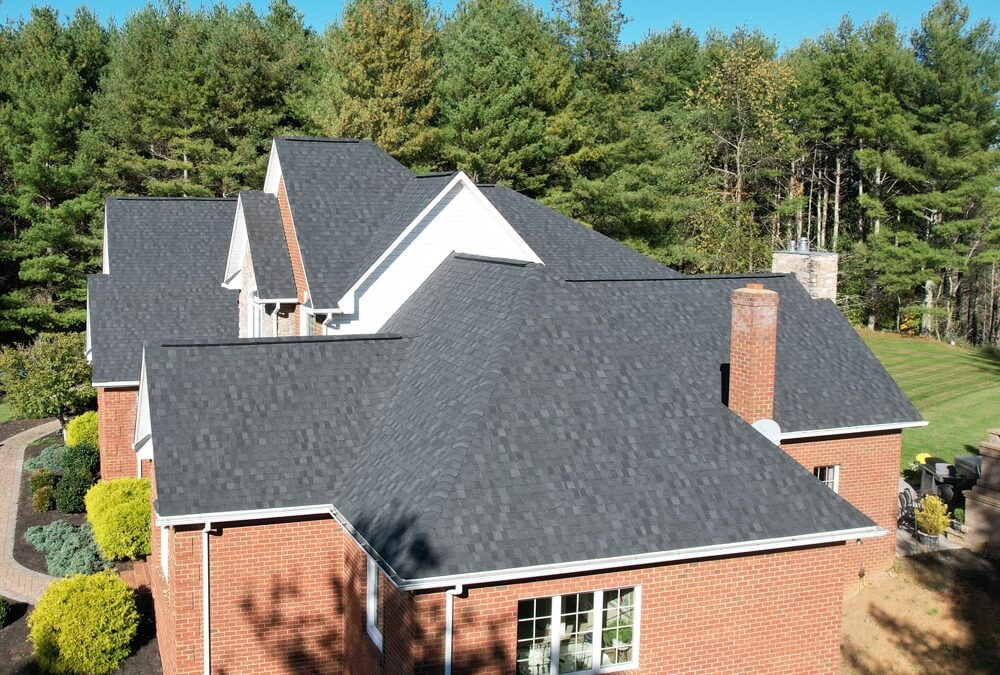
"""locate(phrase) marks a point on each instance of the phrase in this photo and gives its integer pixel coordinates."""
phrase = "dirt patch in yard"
(934, 613)
(25, 553)
(8, 429)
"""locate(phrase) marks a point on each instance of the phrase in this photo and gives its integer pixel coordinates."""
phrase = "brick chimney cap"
(756, 285)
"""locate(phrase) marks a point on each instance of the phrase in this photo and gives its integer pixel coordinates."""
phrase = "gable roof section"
(825, 376)
(165, 257)
(514, 427)
(272, 264)
(267, 423)
(338, 192)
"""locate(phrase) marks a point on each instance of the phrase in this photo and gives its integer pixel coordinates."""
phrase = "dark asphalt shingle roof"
(338, 192)
(272, 264)
(166, 260)
(515, 426)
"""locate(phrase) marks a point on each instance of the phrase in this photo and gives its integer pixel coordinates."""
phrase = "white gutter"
(205, 606)
(516, 573)
(122, 383)
(449, 624)
(842, 431)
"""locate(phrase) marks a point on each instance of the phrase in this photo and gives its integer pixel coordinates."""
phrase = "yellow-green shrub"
(932, 515)
(118, 511)
(84, 624)
(82, 430)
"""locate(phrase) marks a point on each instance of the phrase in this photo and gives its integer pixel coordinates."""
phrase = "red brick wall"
(298, 272)
(869, 475)
(116, 430)
(751, 352)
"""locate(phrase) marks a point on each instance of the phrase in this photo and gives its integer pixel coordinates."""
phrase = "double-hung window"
(593, 632)
(373, 611)
(829, 476)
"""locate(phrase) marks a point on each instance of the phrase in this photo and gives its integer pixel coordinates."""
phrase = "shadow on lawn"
(973, 584)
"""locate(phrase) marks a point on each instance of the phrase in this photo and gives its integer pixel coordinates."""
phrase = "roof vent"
(803, 245)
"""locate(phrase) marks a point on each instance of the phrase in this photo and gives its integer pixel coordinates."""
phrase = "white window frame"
(255, 316)
(598, 632)
(372, 584)
(832, 476)
(165, 551)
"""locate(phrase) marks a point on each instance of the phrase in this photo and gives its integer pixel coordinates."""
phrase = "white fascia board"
(106, 262)
(844, 431)
(349, 299)
(273, 176)
(88, 345)
(238, 242)
(118, 384)
(521, 573)
(143, 424)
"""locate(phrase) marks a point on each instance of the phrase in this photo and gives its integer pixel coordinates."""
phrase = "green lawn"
(6, 414)
(955, 388)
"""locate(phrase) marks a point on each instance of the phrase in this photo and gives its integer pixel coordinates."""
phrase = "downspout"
(205, 618)
(449, 623)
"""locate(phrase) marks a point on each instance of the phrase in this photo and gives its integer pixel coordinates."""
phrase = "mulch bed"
(15, 649)
(25, 553)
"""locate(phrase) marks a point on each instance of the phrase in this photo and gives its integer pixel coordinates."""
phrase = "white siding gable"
(238, 244)
(461, 221)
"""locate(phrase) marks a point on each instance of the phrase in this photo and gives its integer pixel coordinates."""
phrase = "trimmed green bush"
(4, 608)
(118, 510)
(82, 457)
(68, 549)
(49, 458)
(84, 624)
(71, 490)
(43, 499)
(82, 430)
(41, 478)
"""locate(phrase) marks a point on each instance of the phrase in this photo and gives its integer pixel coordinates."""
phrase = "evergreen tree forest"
(704, 152)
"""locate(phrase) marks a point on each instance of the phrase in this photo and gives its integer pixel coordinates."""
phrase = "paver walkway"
(16, 581)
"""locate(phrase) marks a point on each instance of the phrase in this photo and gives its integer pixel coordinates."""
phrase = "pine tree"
(49, 75)
(383, 70)
(505, 76)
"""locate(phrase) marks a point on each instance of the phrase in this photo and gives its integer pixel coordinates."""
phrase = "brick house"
(412, 424)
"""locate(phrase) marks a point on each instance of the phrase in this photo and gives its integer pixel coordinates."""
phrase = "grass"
(6, 413)
(956, 389)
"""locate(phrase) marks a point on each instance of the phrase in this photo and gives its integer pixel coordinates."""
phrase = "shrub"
(84, 624)
(82, 457)
(41, 478)
(49, 458)
(68, 549)
(82, 430)
(932, 515)
(4, 608)
(118, 510)
(43, 499)
(959, 515)
(71, 489)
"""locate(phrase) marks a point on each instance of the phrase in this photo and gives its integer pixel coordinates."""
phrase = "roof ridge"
(320, 139)
(144, 198)
(436, 174)
(303, 339)
(686, 277)
(473, 257)
(492, 369)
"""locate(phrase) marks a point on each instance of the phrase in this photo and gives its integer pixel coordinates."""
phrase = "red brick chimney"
(752, 345)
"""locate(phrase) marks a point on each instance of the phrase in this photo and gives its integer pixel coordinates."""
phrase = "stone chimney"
(816, 270)
(752, 346)
(982, 502)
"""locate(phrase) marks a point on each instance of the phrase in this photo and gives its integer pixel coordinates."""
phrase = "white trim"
(372, 608)
(349, 299)
(832, 479)
(206, 589)
(239, 241)
(273, 175)
(515, 573)
(843, 431)
(116, 385)
(165, 551)
(106, 259)
(255, 316)
(449, 624)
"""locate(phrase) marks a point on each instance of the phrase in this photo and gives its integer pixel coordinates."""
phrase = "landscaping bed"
(27, 516)
(15, 649)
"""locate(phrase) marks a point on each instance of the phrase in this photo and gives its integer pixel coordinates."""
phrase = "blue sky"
(786, 20)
